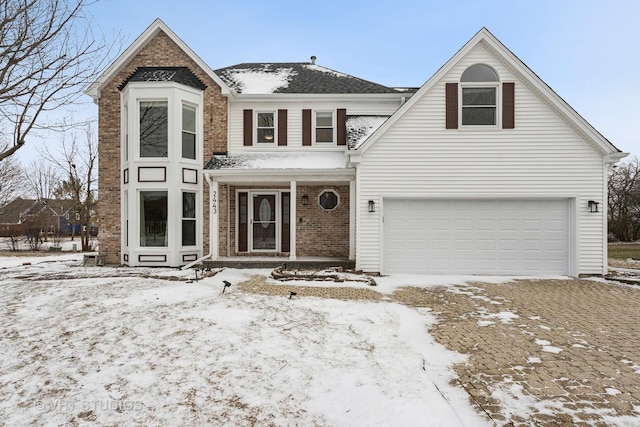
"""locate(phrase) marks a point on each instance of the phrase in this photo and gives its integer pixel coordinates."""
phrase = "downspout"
(210, 254)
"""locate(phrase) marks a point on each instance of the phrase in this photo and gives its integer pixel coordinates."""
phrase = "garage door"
(493, 237)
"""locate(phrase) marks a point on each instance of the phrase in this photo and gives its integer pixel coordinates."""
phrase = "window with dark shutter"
(508, 106)
(341, 126)
(451, 94)
(479, 85)
(248, 128)
(285, 231)
(243, 222)
(306, 127)
(282, 127)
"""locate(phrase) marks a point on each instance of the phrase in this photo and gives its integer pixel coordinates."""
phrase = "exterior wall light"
(372, 206)
(593, 206)
(305, 200)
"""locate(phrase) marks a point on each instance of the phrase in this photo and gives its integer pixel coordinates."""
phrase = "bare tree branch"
(11, 180)
(77, 160)
(48, 54)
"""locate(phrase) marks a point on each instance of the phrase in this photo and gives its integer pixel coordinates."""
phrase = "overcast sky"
(588, 51)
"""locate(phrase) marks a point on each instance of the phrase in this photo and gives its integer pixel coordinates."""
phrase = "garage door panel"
(526, 237)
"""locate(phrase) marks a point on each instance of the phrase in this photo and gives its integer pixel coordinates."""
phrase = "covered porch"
(268, 209)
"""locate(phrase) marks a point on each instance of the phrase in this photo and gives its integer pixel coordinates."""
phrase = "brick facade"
(319, 232)
(160, 51)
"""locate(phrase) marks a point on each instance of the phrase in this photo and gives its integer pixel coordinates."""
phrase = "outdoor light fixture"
(226, 285)
(305, 200)
(593, 206)
(372, 206)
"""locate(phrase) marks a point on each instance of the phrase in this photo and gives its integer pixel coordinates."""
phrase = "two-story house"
(482, 170)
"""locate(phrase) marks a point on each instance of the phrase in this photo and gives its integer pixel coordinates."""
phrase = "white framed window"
(324, 127)
(189, 135)
(154, 128)
(125, 125)
(479, 96)
(265, 127)
(154, 207)
(188, 218)
(329, 200)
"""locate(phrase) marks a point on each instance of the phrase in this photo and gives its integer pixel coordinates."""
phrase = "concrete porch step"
(240, 262)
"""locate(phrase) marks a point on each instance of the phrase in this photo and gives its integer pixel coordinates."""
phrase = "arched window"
(479, 85)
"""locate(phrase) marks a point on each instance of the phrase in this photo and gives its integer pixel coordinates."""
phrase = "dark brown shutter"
(248, 128)
(285, 231)
(342, 130)
(243, 222)
(508, 106)
(451, 105)
(306, 127)
(282, 127)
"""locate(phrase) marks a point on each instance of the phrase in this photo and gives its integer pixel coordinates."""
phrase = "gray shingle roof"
(181, 75)
(295, 77)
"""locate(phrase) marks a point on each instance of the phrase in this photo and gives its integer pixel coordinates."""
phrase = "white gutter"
(210, 254)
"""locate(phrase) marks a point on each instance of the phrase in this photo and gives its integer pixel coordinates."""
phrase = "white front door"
(264, 222)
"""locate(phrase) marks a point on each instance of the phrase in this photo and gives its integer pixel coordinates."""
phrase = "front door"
(264, 222)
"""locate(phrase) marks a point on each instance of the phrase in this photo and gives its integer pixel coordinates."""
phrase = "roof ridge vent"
(313, 60)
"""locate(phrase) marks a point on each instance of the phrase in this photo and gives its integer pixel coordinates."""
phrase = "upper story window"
(324, 127)
(479, 85)
(154, 140)
(188, 132)
(265, 127)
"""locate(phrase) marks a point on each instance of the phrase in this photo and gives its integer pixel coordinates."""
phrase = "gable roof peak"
(138, 44)
(523, 73)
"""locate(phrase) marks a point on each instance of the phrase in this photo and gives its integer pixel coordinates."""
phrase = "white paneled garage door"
(492, 237)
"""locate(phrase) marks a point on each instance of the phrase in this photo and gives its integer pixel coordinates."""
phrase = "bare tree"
(11, 179)
(48, 53)
(78, 162)
(624, 200)
(42, 178)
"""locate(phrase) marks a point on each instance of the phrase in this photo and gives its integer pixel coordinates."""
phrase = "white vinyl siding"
(542, 157)
(294, 120)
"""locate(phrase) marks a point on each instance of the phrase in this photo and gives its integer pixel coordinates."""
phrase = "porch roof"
(316, 165)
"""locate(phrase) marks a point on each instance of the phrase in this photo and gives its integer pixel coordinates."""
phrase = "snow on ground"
(130, 346)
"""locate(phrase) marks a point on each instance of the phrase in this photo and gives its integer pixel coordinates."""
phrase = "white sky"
(586, 50)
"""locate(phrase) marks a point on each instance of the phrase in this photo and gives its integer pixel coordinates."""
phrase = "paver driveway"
(566, 351)
(541, 352)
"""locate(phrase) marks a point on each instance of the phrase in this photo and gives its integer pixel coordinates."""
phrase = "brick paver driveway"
(563, 352)
(541, 352)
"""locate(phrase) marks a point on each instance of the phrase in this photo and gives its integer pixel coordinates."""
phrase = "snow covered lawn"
(119, 346)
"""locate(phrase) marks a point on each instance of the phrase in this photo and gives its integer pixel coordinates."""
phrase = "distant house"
(482, 170)
(26, 216)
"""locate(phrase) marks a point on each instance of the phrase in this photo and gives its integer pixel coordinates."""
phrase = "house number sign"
(214, 202)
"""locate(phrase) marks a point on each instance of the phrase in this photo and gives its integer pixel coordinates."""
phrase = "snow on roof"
(308, 161)
(360, 127)
(260, 81)
(295, 77)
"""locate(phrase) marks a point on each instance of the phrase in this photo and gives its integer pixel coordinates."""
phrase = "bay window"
(154, 138)
(153, 218)
(188, 219)
(188, 132)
